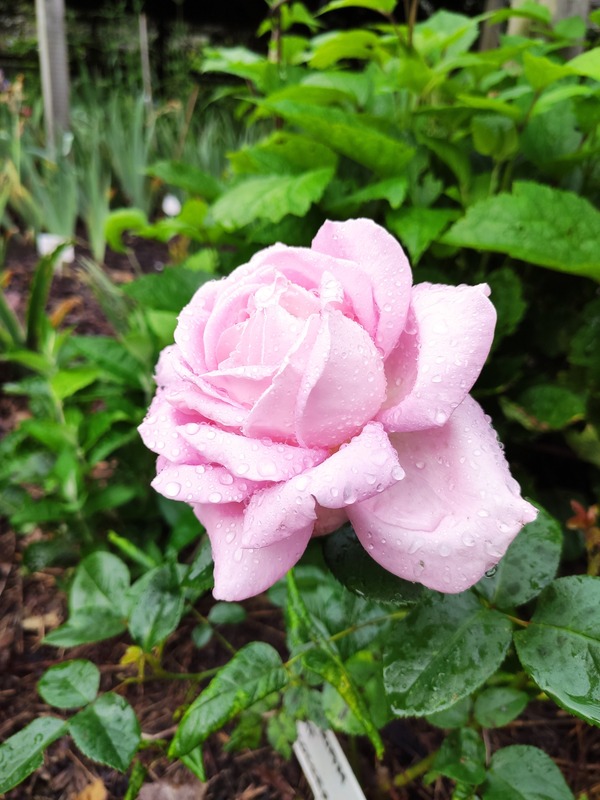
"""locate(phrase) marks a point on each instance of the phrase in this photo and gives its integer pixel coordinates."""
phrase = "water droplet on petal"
(172, 489)
(214, 497)
(419, 464)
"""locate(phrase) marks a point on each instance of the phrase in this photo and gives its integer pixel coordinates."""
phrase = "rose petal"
(244, 385)
(383, 260)
(454, 515)
(159, 431)
(240, 573)
(343, 386)
(439, 356)
(251, 459)
(274, 413)
(191, 324)
(364, 467)
(191, 399)
(203, 483)
(306, 268)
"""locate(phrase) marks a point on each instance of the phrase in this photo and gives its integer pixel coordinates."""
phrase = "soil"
(32, 604)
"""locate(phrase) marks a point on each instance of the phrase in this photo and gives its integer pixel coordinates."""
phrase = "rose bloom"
(315, 386)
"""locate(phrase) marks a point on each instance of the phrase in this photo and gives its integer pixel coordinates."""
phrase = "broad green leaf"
(270, 197)
(456, 716)
(521, 772)
(383, 6)
(494, 136)
(22, 754)
(87, 625)
(334, 47)
(202, 634)
(444, 650)
(282, 733)
(156, 602)
(393, 190)
(529, 565)
(108, 731)
(351, 135)
(193, 761)
(187, 177)
(120, 221)
(493, 104)
(66, 382)
(445, 34)
(499, 705)
(507, 297)
(536, 223)
(554, 407)
(253, 673)
(541, 71)
(560, 648)
(112, 357)
(461, 757)
(356, 570)
(101, 581)
(70, 684)
(36, 321)
(417, 228)
(283, 152)
(109, 497)
(587, 64)
(169, 290)
(227, 613)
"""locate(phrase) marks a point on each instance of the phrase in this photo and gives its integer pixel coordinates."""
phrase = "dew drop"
(226, 479)
(172, 489)
(214, 497)
(419, 464)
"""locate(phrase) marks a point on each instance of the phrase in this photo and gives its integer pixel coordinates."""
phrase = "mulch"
(32, 604)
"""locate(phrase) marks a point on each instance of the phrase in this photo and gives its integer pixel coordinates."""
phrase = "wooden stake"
(54, 67)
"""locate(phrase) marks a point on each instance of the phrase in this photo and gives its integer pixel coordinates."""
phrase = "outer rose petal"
(382, 258)
(454, 515)
(251, 459)
(362, 468)
(203, 483)
(241, 573)
(159, 431)
(439, 356)
(189, 333)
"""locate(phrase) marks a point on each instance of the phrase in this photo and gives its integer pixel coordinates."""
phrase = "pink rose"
(315, 386)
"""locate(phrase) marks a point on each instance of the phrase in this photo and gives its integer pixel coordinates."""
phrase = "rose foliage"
(316, 386)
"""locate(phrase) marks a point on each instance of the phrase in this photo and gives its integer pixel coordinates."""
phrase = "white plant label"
(325, 764)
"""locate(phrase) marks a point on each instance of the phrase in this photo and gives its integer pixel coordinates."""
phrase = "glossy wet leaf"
(156, 602)
(86, 625)
(270, 197)
(529, 565)
(22, 753)
(560, 648)
(521, 772)
(445, 649)
(539, 224)
(227, 613)
(108, 731)
(417, 228)
(455, 716)
(356, 570)
(101, 581)
(499, 705)
(553, 407)
(461, 757)
(70, 684)
(254, 672)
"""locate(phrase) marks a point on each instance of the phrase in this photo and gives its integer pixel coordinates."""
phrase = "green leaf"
(227, 613)
(417, 228)
(541, 71)
(187, 177)
(87, 625)
(545, 226)
(553, 407)
(366, 672)
(38, 297)
(560, 648)
(356, 570)
(441, 652)
(461, 757)
(393, 190)
(270, 197)
(521, 772)
(587, 64)
(120, 221)
(281, 733)
(111, 356)
(157, 605)
(507, 297)
(339, 45)
(384, 7)
(494, 136)
(253, 673)
(456, 716)
(202, 634)
(66, 382)
(101, 581)
(499, 705)
(22, 754)
(108, 731)
(283, 152)
(529, 565)
(70, 684)
(169, 290)
(351, 135)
